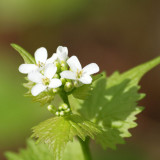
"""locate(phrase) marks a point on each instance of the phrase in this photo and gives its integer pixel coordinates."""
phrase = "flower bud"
(56, 76)
(64, 66)
(63, 63)
(61, 113)
(57, 113)
(68, 86)
(63, 81)
(55, 90)
(60, 108)
(76, 84)
(52, 109)
(67, 110)
(58, 65)
(64, 106)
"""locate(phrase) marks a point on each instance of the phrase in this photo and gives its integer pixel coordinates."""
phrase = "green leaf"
(109, 138)
(113, 103)
(135, 74)
(73, 150)
(96, 77)
(82, 92)
(91, 107)
(32, 152)
(129, 122)
(41, 152)
(27, 57)
(43, 98)
(58, 131)
(28, 85)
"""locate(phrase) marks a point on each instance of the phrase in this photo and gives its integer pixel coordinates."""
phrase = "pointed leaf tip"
(27, 57)
(113, 102)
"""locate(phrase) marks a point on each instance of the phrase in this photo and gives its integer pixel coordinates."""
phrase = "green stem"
(84, 144)
(85, 148)
(65, 99)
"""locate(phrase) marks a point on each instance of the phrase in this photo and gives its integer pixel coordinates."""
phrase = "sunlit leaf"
(113, 103)
(58, 131)
(82, 92)
(41, 152)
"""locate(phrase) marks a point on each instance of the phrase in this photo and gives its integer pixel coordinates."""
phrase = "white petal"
(41, 55)
(62, 56)
(74, 64)
(37, 89)
(35, 77)
(62, 49)
(68, 75)
(62, 53)
(27, 68)
(50, 70)
(86, 79)
(91, 69)
(52, 59)
(55, 83)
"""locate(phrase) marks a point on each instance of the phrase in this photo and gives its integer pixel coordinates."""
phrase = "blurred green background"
(116, 34)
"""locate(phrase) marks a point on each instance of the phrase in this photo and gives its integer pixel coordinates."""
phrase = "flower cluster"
(58, 70)
(61, 111)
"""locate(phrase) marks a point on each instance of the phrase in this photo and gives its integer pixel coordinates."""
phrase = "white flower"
(44, 81)
(41, 61)
(62, 53)
(77, 73)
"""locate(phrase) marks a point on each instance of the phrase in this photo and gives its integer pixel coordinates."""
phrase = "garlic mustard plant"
(83, 106)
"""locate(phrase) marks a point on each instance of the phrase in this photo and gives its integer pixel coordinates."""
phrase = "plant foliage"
(41, 152)
(105, 110)
(58, 131)
(113, 103)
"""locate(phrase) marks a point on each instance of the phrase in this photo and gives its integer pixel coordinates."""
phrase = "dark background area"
(117, 35)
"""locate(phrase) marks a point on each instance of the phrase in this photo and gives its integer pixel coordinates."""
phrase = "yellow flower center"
(45, 81)
(79, 73)
(40, 64)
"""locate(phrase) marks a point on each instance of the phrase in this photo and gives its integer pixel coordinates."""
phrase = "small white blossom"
(62, 53)
(45, 81)
(41, 61)
(79, 74)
